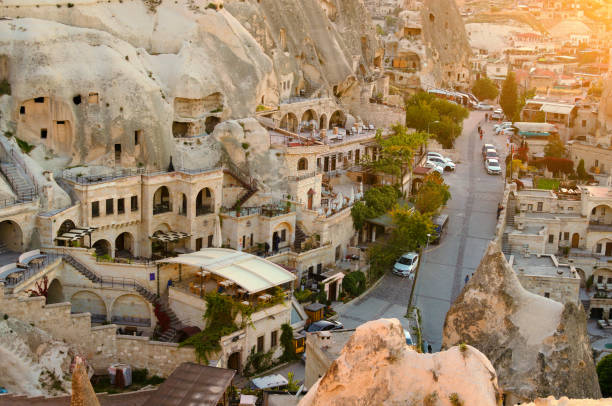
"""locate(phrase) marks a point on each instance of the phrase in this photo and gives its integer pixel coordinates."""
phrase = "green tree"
(442, 118)
(485, 89)
(604, 373)
(508, 99)
(396, 151)
(411, 229)
(377, 201)
(555, 147)
(286, 340)
(432, 194)
(581, 171)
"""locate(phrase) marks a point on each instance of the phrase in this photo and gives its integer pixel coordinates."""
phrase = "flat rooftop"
(536, 192)
(540, 266)
(339, 338)
(599, 191)
(544, 215)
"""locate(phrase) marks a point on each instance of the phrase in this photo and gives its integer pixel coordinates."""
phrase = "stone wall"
(560, 289)
(100, 345)
(592, 155)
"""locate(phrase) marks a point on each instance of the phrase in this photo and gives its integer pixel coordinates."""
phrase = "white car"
(406, 265)
(507, 132)
(435, 166)
(502, 126)
(497, 114)
(445, 163)
(484, 106)
(492, 166)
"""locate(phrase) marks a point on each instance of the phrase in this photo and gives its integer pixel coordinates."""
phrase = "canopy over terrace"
(76, 234)
(252, 273)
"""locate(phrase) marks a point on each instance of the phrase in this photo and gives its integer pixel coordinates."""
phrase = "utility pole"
(416, 275)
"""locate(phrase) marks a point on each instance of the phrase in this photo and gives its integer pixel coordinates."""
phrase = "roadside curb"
(343, 306)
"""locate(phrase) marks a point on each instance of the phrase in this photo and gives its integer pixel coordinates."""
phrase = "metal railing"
(125, 260)
(27, 198)
(32, 269)
(162, 208)
(124, 173)
(205, 209)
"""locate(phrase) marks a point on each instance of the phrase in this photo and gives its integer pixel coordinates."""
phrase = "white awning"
(557, 108)
(252, 273)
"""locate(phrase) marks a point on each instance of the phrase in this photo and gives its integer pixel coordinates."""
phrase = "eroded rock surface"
(376, 367)
(538, 346)
(33, 363)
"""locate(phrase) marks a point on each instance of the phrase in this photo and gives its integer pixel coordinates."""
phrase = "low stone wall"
(100, 345)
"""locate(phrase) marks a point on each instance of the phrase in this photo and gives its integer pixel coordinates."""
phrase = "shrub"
(70, 5)
(286, 340)
(24, 146)
(454, 399)
(354, 283)
(212, 6)
(303, 295)
(604, 373)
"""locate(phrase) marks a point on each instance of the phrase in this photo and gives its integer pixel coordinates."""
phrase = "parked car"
(408, 337)
(435, 166)
(507, 132)
(486, 147)
(406, 264)
(445, 163)
(492, 166)
(439, 222)
(432, 153)
(324, 325)
(484, 106)
(498, 114)
(490, 153)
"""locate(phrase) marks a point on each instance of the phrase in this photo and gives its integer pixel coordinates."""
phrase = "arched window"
(302, 164)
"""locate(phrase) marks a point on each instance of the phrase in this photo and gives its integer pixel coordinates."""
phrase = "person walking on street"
(486, 117)
(499, 209)
(467, 278)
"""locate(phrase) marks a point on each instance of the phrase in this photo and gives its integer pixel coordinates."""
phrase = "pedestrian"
(486, 117)
(467, 278)
(479, 129)
(499, 209)
(429, 349)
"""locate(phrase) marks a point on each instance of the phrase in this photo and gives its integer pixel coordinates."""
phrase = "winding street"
(472, 217)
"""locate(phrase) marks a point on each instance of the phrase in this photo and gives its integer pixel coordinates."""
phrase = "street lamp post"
(416, 275)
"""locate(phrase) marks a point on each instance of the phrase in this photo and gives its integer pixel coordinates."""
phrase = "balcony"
(599, 227)
(161, 208)
(205, 209)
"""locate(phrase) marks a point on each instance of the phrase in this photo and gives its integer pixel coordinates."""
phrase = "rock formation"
(33, 362)
(564, 401)
(82, 391)
(376, 367)
(538, 346)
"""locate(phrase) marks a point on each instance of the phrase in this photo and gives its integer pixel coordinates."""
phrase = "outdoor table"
(226, 283)
(265, 297)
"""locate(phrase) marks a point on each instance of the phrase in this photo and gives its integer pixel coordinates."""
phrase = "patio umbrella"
(352, 196)
(217, 235)
(340, 200)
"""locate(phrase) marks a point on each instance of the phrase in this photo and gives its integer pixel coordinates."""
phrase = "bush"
(286, 340)
(604, 373)
(484, 89)
(303, 295)
(581, 172)
(212, 6)
(354, 283)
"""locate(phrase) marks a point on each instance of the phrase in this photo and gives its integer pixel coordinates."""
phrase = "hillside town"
(313, 202)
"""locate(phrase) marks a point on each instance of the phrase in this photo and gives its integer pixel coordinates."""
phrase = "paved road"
(472, 217)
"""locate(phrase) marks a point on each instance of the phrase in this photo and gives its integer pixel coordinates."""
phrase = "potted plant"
(238, 208)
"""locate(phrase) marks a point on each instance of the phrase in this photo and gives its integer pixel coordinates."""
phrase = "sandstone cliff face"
(446, 42)
(33, 363)
(376, 367)
(537, 346)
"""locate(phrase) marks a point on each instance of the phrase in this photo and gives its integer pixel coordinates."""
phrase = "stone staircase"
(249, 183)
(505, 245)
(175, 324)
(300, 237)
(21, 184)
(586, 304)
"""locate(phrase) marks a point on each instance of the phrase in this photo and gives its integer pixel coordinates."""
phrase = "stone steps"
(151, 297)
(20, 183)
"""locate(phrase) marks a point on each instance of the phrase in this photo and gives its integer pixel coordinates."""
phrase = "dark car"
(439, 223)
(324, 325)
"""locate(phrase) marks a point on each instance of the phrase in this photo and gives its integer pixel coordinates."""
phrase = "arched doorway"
(302, 164)
(161, 200)
(309, 120)
(233, 362)
(311, 194)
(289, 122)
(323, 121)
(337, 119)
(131, 309)
(55, 292)
(66, 226)
(124, 245)
(575, 240)
(183, 207)
(88, 302)
(11, 237)
(102, 247)
(205, 202)
(416, 185)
